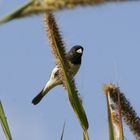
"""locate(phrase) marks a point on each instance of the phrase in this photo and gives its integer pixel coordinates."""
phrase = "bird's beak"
(80, 51)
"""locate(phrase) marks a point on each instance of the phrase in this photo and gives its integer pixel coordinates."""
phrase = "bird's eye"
(79, 51)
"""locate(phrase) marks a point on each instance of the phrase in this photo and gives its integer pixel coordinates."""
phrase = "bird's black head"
(75, 54)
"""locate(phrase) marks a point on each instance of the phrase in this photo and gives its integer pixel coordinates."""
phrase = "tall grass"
(129, 115)
(118, 106)
(4, 123)
(114, 115)
(62, 134)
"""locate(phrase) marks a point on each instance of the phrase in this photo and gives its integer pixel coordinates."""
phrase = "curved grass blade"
(62, 134)
(59, 52)
(41, 6)
(4, 123)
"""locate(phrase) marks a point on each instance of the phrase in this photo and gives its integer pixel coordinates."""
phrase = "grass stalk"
(59, 52)
(62, 134)
(110, 125)
(4, 123)
(128, 113)
(114, 113)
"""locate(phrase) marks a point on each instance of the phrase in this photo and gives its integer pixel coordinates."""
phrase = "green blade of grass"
(4, 123)
(59, 53)
(62, 134)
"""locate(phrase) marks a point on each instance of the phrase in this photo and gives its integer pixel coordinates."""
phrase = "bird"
(74, 58)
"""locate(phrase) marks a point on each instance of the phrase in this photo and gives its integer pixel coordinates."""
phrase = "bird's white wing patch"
(79, 51)
(55, 70)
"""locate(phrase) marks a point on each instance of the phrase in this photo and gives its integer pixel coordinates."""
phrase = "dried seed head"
(129, 115)
(55, 40)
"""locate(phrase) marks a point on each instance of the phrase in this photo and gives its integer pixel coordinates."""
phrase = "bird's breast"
(74, 68)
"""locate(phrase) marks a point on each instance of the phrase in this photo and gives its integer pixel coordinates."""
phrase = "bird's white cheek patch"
(79, 51)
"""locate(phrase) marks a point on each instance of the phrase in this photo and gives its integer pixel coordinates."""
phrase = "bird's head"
(75, 54)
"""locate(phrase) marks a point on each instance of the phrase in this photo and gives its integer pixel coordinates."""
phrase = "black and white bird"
(74, 57)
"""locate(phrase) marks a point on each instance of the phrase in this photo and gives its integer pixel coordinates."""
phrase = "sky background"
(110, 35)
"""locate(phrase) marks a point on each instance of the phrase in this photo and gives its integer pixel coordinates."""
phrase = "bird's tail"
(41, 94)
(38, 98)
(49, 85)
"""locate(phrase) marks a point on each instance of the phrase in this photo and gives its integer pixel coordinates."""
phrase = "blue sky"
(110, 35)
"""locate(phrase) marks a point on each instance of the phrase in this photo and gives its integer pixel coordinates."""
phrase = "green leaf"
(4, 123)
